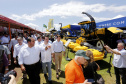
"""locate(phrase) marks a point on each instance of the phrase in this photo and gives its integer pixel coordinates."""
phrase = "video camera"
(4, 78)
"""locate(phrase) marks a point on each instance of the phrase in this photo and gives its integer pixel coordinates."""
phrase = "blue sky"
(35, 13)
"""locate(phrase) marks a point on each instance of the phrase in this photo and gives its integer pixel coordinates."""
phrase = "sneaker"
(57, 76)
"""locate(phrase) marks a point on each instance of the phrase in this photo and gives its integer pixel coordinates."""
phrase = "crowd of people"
(36, 51)
(31, 53)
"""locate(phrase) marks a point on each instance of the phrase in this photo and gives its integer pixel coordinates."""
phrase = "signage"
(120, 22)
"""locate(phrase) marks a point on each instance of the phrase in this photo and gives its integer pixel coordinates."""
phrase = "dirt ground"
(19, 73)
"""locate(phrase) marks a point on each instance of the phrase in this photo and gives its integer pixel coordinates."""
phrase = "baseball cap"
(82, 53)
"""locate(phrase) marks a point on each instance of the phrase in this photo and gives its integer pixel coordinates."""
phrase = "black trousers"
(122, 72)
(33, 72)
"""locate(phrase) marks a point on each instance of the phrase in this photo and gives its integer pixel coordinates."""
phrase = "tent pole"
(9, 30)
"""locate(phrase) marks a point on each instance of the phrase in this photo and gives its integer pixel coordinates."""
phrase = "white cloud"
(24, 17)
(32, 25)
(72, 8)
(97, 19)
(118, 16)
(16, 17)
(117, 8)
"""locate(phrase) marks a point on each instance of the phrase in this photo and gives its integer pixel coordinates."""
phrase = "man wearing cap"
(74, 71)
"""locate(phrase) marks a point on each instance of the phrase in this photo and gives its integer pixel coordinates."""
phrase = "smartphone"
(91, 80)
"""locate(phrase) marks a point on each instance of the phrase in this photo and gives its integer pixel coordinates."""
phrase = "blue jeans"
(49, 69)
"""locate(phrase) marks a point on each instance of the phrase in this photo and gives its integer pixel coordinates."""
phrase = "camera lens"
(12, 72)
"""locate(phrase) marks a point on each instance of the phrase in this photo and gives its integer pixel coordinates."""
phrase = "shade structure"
(6, 22)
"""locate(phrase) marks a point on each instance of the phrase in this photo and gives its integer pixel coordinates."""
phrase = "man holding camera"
(119, 62)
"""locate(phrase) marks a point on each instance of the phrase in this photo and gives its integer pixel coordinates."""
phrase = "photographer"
(8, 78)
(119, 62)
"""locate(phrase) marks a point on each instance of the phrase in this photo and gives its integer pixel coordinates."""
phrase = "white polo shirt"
(29, 55)
(38, 43)
(5, 40)
(58, 46)
(46, 54)
(119, 61)
(24, 40)
(13, 42)
(17, 48)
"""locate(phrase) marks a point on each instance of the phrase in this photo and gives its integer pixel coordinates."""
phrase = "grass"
(104, 64)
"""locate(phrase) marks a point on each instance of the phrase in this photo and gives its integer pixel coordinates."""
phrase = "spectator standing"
(7, 54)
(46, 58)
(119, 62)
(25, 37)
(55, 37)
(13, 41)
(17, 48)
(51, 38)
(43, 37)
(34, 36)
(38, 41)
(5, 40)
(58, 48)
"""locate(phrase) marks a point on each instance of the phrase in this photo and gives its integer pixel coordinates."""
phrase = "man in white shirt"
(5, 39)
(38, 41)
(25, 37)
(13, 41)
(34, 36)
(58, 48)
(119, 62)
(17, 48)
(46, 58)
(28, 59)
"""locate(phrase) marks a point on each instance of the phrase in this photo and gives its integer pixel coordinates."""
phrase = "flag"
(44, 26)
